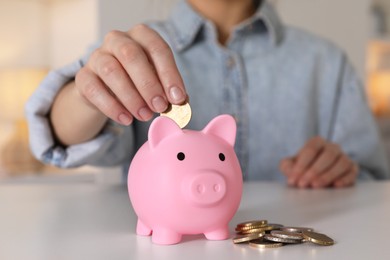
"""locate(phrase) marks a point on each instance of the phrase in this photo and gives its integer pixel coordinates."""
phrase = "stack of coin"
(261, 234)
(181, 114)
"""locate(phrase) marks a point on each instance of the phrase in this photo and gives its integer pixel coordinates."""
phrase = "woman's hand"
(132, 75)
(319, 164)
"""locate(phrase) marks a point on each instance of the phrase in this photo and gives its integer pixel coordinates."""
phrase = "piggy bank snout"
(206, 188)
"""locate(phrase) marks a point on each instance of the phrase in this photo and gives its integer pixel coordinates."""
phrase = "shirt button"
(230, 62)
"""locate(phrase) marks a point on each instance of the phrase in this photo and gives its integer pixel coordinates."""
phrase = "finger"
(163, 60)
(286, 166)
(136, 64)
(115, 77)
(306, 157)
(341, 166)
(323, 161)
(349, 179)
(95, 92)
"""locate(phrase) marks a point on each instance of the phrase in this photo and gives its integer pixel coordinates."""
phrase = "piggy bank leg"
(218, 234)
(164, 236)
(142, 229)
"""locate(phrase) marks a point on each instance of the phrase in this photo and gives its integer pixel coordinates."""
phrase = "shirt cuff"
(108, 149)
(104, 150)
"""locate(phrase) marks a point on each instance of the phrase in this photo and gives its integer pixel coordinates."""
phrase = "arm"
(89, 120)
(76, 106)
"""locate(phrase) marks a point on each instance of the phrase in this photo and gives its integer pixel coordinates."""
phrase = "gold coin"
(181, 114)
(247, 238)
(253, 223)
(275, 226)
(256, 230)
(261, 243)
(245, 228)
(318, 238)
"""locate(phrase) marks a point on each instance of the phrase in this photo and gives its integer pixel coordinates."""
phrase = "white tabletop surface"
(88, 221)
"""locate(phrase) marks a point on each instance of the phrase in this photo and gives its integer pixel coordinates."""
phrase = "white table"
(86, 221)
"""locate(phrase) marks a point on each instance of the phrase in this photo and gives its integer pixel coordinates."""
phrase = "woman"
(299, 107)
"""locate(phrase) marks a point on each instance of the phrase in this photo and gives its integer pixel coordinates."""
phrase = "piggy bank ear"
(160, 128)
(223, 126)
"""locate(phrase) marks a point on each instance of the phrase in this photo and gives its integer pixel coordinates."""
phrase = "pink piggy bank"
(186, 182)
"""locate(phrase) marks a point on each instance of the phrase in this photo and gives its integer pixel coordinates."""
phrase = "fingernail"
(145, 113)
(290, 181)
(124, 119)
(177, 94)
(159, 104)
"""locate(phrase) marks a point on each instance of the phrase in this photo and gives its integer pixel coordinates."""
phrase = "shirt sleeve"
(113, 146)
(355, 128)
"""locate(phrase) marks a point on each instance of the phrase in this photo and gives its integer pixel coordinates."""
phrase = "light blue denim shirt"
(281, 84)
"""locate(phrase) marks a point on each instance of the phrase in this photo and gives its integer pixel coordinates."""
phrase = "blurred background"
(39, 35)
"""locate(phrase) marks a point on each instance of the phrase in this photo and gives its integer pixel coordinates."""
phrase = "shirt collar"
(186, 23)
(273, 24)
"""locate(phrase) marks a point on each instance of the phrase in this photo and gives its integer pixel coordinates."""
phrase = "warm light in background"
(16, 86)
(378, 66)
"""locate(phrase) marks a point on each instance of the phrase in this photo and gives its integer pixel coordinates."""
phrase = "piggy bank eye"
(181, 156)
(222, 157)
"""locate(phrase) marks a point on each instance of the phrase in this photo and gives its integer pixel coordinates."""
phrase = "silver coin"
(270, 237)
(296, 229)
(286, 234)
